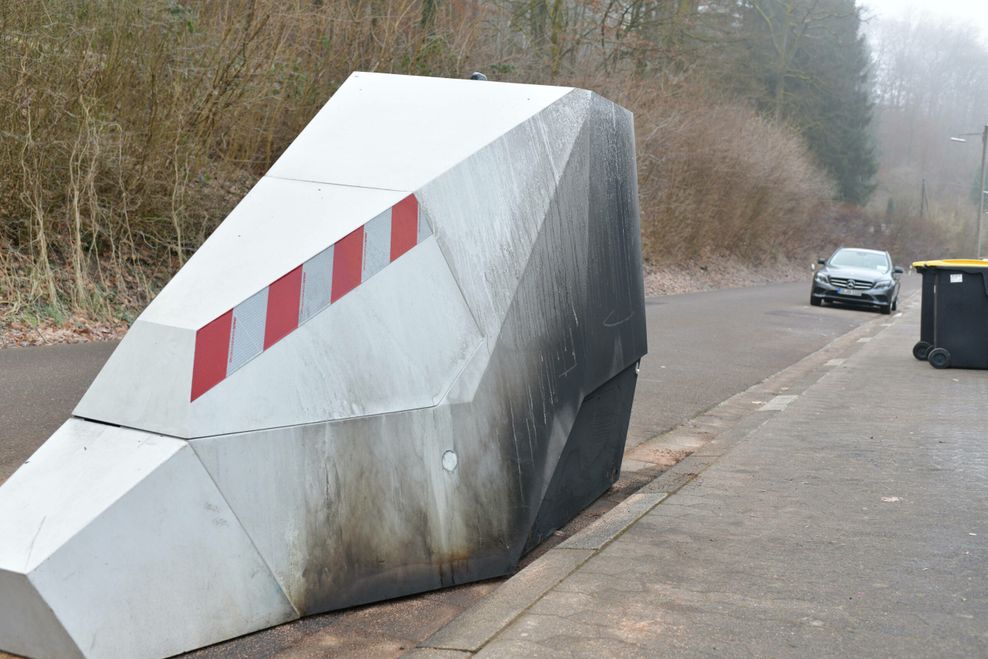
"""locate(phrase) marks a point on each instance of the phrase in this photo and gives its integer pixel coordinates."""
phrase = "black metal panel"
(591, 460)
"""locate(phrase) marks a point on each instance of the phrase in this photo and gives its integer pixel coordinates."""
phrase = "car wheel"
(815, 301)
(886, 309)
(895, 304)
(939, 358)
(921, 350)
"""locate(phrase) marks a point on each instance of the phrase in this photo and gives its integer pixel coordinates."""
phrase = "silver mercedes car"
(852, 275)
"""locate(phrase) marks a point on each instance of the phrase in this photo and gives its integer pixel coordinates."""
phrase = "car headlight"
(883, 285)
(821, 277)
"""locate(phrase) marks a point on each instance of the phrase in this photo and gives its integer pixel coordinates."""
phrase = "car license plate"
(844, 291)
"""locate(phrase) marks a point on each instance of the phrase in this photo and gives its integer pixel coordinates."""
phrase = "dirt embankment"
(77, 329)
(719, 273)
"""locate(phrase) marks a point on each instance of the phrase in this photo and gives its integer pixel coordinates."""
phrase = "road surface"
(703, 348)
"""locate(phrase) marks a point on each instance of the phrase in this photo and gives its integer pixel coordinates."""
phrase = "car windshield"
(857, 258)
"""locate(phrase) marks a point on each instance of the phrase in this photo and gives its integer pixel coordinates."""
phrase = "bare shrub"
(128, 130)
(724, 177)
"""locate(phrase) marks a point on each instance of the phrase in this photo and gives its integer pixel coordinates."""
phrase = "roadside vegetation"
(129, 129)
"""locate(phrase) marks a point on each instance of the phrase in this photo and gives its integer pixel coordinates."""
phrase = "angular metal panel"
(615, 307)
(436, 392)
(119, 531)
(26, 624)
(396, 342)
(400, 132)
(490, 208)
(360, 510)
(511, 417)
(56, 493)
(141, 385)
(278, 226)
(588, 465)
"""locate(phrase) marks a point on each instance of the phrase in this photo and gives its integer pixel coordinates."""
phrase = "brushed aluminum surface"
(133, 551)
(396, 342)
(399, 132)
(320, 473)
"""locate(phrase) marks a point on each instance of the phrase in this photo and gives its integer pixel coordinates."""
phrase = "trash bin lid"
(953, 264)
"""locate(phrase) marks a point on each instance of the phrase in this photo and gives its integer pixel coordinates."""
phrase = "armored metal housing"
(402, 360)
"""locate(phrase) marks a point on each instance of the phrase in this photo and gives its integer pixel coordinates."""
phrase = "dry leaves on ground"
(77, 329)
(716, 273)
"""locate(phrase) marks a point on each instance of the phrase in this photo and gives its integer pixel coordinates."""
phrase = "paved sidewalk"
(849, 518)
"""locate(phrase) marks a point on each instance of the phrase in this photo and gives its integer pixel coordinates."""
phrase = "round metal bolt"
(450, 461)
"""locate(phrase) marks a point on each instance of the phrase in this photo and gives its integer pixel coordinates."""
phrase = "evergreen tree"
(807, 63)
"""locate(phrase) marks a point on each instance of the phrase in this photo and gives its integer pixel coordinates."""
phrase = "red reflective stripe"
(212, 351)
(404, 226)
(283, 300)
(348, 255)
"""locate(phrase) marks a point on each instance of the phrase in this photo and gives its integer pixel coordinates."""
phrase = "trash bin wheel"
(939, 358)
(815, 301)
(921, 350)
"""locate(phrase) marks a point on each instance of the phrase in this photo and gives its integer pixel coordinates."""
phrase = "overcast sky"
(968, 12)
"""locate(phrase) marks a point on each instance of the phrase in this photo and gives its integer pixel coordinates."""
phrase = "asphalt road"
(703, 348)
(38, 389)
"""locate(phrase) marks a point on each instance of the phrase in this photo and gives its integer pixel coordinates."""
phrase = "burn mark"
(541, 436)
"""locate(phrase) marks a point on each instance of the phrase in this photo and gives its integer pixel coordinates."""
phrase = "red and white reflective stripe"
(227, 343)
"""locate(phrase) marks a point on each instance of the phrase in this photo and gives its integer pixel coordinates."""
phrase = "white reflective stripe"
(247, 333)
(377, 245)
(424, 229)
(317, 284)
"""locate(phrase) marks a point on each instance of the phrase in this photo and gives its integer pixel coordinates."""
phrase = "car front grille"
(851, 284)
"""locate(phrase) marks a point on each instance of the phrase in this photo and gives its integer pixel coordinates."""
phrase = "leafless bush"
(718, 177)
(128, 130)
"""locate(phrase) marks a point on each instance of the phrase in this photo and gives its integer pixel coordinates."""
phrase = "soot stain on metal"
(541, 435)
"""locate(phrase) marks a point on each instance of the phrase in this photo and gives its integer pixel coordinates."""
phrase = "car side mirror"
(898, 270)
(822, 261)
